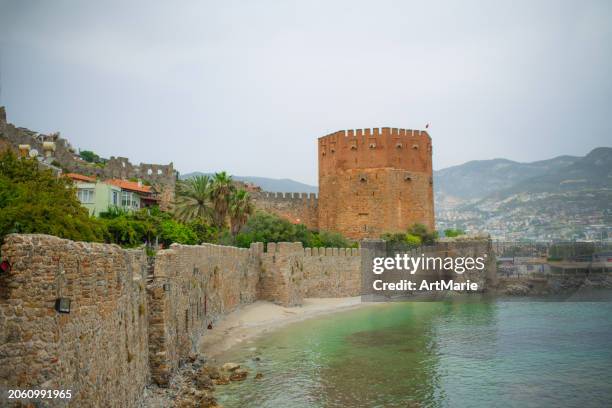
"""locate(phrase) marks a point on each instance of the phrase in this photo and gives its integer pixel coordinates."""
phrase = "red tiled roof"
(80, 177)
(130, 185)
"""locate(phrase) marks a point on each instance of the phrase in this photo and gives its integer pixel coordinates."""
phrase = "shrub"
(264, 227)
(451, 233)
(174, 232)
(419, 230)
(36, 201)
(327, 239)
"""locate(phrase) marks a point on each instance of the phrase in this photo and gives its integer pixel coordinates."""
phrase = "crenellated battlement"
(376, 132)
(296, 248)
(300, 208)
(332, 252)
(283, 196)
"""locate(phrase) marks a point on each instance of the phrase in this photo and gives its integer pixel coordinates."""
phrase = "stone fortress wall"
(299, 208)
(99, 349)
(135, 319)
(162, 177)
(190, 287)
(371, 181)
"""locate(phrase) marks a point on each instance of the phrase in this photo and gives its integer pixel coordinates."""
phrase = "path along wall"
(99, 349)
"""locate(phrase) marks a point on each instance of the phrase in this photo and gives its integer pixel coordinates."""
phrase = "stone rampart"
(99, 349)
(332, 272)
(132, 320)
(190, 288)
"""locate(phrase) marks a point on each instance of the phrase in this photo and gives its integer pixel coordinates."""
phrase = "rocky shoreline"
(194, 385)
(557, 285)
(195, 382)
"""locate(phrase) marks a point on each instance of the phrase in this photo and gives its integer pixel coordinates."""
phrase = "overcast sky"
(248, 86)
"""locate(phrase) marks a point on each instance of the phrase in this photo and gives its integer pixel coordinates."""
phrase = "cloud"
(251, 85)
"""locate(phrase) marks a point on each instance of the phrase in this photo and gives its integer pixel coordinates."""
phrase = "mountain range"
(497, 177)
(563, 198)
(284, 185)
(501, 178)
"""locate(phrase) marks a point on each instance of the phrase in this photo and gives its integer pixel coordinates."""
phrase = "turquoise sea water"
(426, 354)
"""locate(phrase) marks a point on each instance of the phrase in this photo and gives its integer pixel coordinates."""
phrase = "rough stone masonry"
(134, 320)
(371, 181)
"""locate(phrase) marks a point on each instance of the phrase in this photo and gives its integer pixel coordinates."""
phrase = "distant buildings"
(97, 196)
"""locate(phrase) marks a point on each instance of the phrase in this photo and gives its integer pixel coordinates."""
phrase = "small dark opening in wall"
(62, 305)
(186, 320)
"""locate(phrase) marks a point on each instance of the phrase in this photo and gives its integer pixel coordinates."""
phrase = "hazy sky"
(248, 86)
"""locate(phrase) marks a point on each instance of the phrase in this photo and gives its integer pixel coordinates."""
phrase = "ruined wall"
(332, 272)
(191, 287)
(373, 181)
(99, 349)
(299, 208)
(6, 145)
(162, 177)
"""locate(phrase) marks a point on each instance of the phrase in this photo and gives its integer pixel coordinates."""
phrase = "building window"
(85, 195)
(126, 199)
(115, 198)
(129, 200)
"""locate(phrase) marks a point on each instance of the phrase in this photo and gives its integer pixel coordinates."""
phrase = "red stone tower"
(373, 181)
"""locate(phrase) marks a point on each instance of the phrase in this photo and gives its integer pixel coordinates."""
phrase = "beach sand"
(257, 318)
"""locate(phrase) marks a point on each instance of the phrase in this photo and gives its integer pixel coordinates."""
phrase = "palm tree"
(221, 190)
(193, 199)
(240, 208)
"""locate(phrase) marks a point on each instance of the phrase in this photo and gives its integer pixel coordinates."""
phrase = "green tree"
(221, 190)
(37, 201)
(265, 227)
(204, 231)
(327, 239)
(146, 226)
(419, 230)
(451, 233)
(193, 199)
(175, 232)
(401, 241)
(90, 156)
(413, 241)
(240, 209)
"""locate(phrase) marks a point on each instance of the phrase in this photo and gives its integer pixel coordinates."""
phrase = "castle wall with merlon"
(300, 208)
(133, 320)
